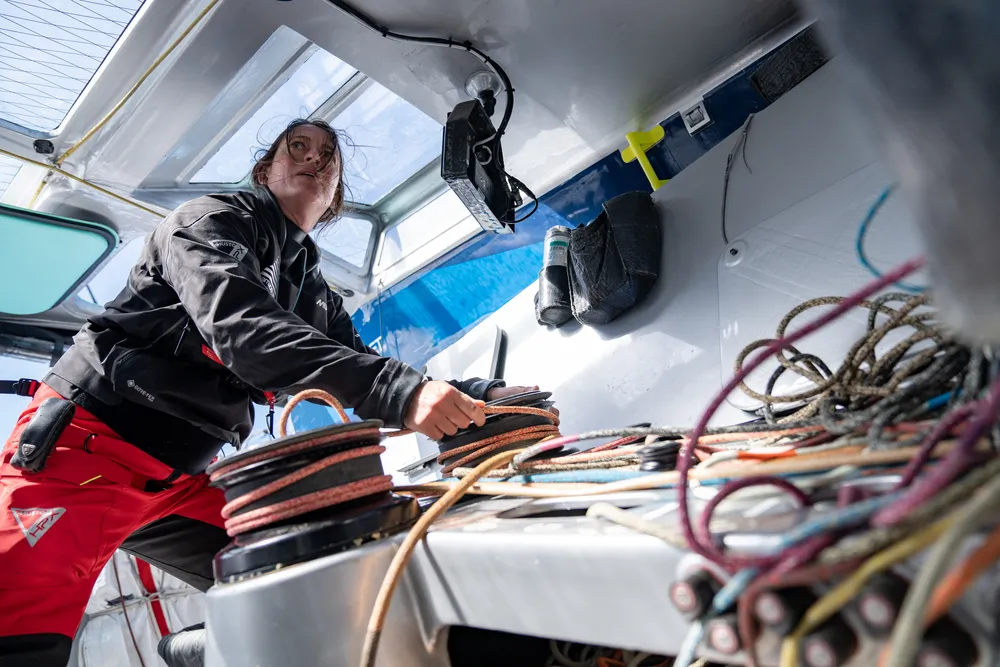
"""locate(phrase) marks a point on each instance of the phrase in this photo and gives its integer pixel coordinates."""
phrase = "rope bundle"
(495, 443)
(862, 377)
(250, 511)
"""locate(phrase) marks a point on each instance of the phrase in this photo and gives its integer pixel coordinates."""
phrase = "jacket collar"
(293, 241)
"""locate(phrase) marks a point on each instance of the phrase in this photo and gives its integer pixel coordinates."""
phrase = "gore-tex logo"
(145, 394)
(35, 522)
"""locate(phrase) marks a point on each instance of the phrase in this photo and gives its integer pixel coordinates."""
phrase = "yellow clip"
(638, 144)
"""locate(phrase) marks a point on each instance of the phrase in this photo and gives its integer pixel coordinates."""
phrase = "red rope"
(299, 446)
(149, 583)
(237, 524)
(298, 475)
(265, 516)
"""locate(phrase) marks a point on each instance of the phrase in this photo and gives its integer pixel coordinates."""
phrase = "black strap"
(22, 387)
(157, 485)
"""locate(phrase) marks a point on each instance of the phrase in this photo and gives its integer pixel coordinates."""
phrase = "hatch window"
(49, 52)
(312, 83)
(387, 141)
(8, 170)
(390, 141)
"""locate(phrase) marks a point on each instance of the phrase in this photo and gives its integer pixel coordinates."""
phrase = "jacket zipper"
(180, 339)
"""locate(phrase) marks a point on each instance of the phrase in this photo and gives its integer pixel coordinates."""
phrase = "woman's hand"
(438, 409)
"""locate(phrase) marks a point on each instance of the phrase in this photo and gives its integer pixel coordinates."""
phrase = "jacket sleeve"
(340, 328)
(476, 387)
(265, 345)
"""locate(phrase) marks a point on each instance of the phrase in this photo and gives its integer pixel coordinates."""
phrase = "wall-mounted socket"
(695, 116)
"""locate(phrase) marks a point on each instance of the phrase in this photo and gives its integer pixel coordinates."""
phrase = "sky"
(12, 406)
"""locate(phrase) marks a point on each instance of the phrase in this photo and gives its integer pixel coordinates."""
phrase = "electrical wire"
(523, 188)
(909, 626)
(496, 153)
(370, 23)
(859, 244)
(740, 145)
(839, 596)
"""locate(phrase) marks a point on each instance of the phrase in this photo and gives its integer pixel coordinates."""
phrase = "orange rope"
(303, 395)
(953, 586)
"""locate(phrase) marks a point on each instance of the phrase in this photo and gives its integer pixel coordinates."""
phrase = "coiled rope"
(237, 522)
(862, 376)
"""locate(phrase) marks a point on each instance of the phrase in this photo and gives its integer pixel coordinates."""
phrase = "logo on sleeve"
(35, 522)
(321, 303)
(231, 248)
(269, 277)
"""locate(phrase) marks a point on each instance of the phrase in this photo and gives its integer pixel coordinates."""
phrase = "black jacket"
(225, 278)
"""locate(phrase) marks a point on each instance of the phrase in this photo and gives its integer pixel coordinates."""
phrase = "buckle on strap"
(23, 387)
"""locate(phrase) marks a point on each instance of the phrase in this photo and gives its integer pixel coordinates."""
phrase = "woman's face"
(304, 175)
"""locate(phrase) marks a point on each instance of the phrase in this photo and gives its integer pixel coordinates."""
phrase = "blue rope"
(834, 521)
(726, 598)
(938, 401)
(690, 644)
(860, 243)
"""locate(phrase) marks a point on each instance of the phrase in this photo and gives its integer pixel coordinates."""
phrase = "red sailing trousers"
(60, 526)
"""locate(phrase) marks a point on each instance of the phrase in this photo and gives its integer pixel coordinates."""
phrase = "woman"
(225, 307)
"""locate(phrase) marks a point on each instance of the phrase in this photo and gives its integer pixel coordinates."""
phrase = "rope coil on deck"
(250, 511)
(265, 504)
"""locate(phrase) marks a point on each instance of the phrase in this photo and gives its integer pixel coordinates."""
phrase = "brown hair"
(258, 175)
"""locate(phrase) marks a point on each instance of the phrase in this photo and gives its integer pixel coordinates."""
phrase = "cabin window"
(390, 140)
(105, 285)
(390, 149)
(8, 170)
(49, 52)
(68, 251)
(423, 235)
(350, 239)
(312, 83)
